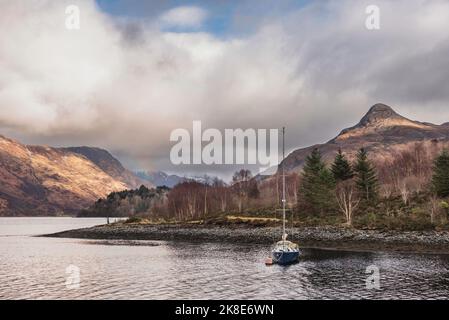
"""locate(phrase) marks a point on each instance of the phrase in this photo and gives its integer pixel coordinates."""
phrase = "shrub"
(134, 220)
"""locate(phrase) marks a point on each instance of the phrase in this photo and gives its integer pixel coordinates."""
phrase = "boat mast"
(283, 185)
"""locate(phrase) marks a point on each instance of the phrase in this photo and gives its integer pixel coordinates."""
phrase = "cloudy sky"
(136, 70)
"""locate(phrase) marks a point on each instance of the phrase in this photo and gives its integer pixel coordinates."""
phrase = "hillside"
(106, 162)
(381, 131)
(40, 180)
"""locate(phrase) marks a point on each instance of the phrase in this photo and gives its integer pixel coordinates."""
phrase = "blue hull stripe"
(285, 257)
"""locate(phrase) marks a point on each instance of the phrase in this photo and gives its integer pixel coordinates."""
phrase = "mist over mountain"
(160, 179)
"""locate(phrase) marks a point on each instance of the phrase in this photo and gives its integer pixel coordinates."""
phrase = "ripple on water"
(35, 268)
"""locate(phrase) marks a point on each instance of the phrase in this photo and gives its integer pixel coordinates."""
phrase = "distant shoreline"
(335, 238)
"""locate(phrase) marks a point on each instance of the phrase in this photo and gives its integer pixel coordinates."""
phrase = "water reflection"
(35, 268)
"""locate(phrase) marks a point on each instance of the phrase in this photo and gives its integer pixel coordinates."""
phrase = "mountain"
(381, 131)
(161, 179)
(40, 180)
(106, 162)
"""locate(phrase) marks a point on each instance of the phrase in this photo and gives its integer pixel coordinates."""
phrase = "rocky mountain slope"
(106, 162)
(381, 131)
(38, 180)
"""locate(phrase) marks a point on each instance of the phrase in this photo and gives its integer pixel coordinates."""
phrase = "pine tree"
(366, 180)
(341, 168)
(440, 179)
(317, 184)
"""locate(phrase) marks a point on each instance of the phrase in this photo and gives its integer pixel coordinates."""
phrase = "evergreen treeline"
(440, 180)
(354, 189)
(127, 203)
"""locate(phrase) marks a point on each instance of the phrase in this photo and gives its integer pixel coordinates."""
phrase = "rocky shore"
(307, 237)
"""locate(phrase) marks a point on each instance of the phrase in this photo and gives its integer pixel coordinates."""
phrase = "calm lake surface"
(35, 268)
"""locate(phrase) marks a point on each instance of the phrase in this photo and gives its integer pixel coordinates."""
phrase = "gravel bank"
(311, 237)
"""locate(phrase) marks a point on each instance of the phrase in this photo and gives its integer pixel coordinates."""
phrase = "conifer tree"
(318, 184)
(341, 168)
(366, 180)
(440, 179)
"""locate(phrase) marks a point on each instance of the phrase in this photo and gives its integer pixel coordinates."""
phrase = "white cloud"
(315, 70)
(184, 17)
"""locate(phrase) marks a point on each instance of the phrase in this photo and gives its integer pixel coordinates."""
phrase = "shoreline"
(330, 238)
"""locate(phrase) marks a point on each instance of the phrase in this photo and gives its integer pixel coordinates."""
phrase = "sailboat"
(285, 252)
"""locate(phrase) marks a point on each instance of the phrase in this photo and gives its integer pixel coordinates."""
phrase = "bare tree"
(347, 200)
(434, 208)
(404, 191)
(292, 188)
(207, 181)
(220, 194)
(187, 200)
(241, 184)
(386, 190)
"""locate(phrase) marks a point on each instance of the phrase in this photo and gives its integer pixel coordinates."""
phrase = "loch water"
(34, 267)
